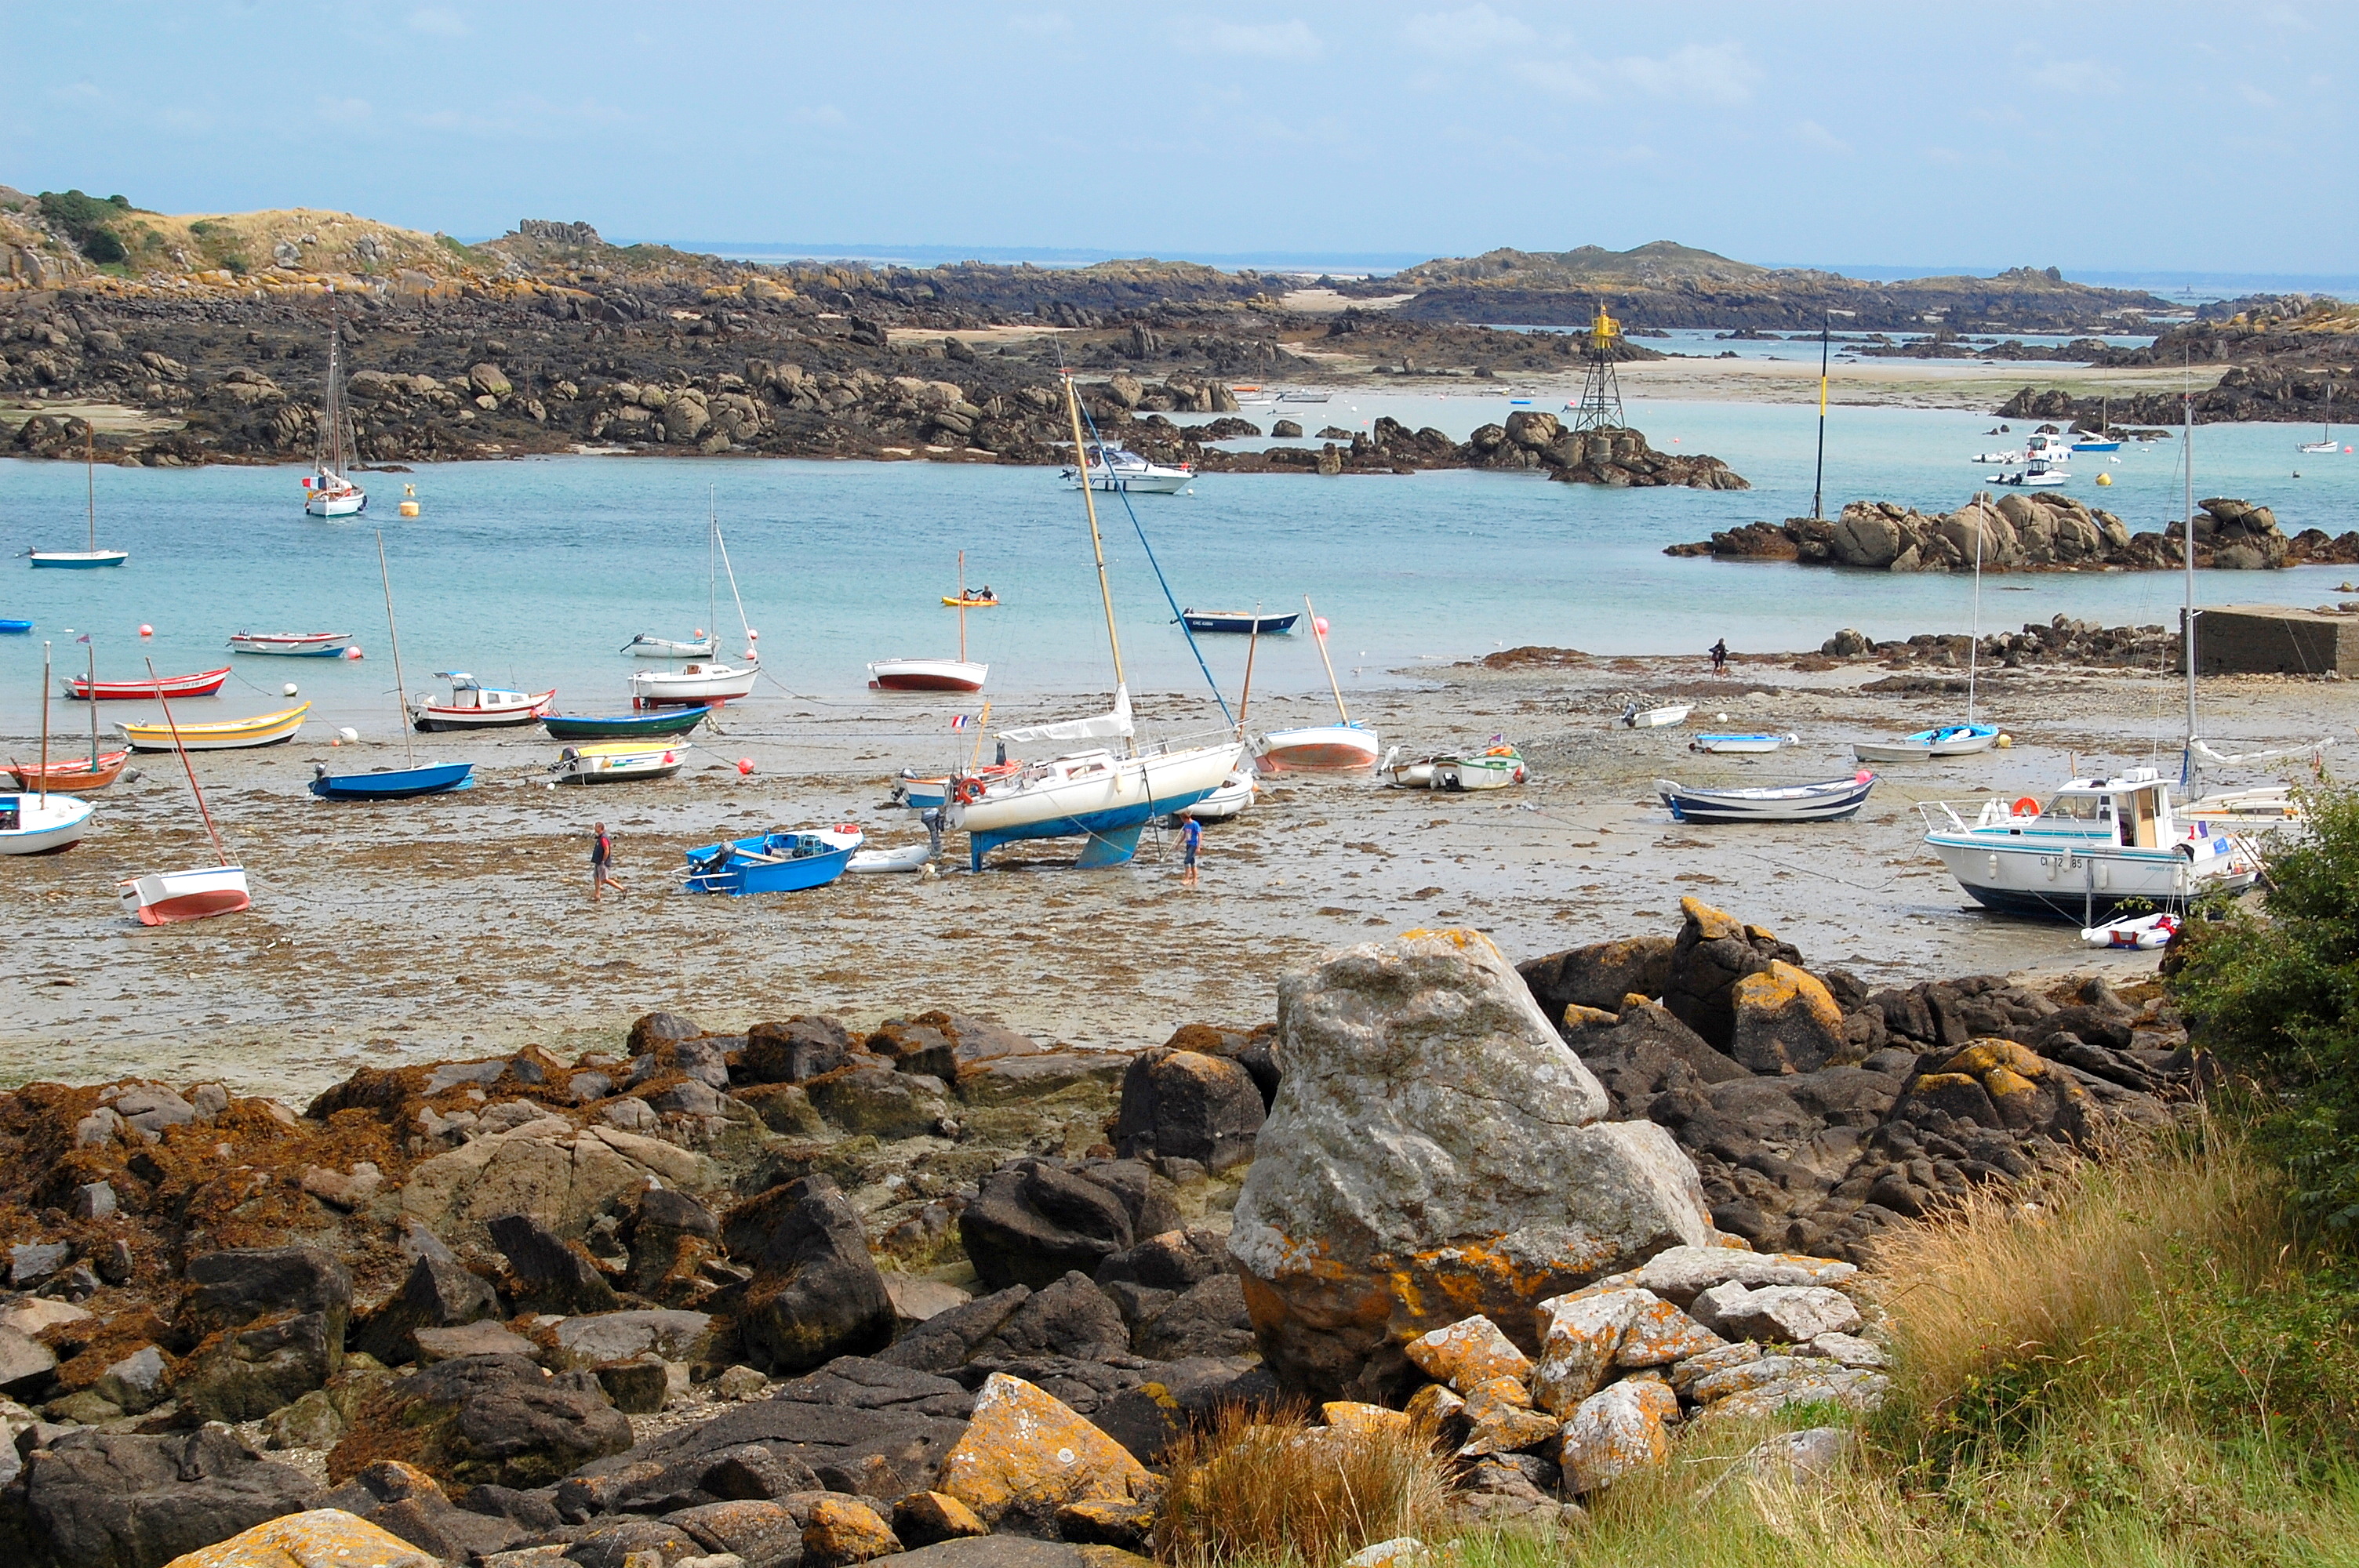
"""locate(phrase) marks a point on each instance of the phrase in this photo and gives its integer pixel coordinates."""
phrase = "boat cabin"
(2133, 810)
(466, 691)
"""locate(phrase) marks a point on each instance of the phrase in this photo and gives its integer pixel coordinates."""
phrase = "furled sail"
(1100, 727)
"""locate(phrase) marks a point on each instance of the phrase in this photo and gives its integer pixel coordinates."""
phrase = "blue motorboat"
(773, 862)
(394, 783)
(11, 628)
(1239, 621)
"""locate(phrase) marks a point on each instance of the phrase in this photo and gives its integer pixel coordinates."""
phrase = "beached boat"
(773, 862)
(698, 685)
(919, 792)
(1941, 741)
(2136, 932)
(72, 773)
(326, 492)
(1636, 718)
(229, 735)
(37, 822)
(933, 675)
(1236, 793)
(617, 761)
(1494, 769)
(647, 645)
(1407, 773)
(291, 644)
(394, 783)
(86, 558)
(475, 706)
(905, 859)
(204, 683)
(1112, 469)
(15, 628)
(2099, 843)
(167, 897)
(1243, 623)
(1830, 800)
(623, 727)
(1340, 746)
(1741, 744)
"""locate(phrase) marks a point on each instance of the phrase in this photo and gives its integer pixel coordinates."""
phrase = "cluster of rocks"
(2031, 531)
(2062, 641)
(1615, 458)
(2252, 391)
(808, 1295)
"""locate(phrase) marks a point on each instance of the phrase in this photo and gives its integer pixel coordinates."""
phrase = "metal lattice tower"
(1600, 390)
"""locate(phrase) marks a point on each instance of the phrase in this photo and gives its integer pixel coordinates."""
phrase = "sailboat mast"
(93, 706)
(177, 745)
(1252, 643)
(1089, 505)
(331, 439)
(1973, 650)
(45, 722)
(713, 562)
(1321, 638)
(2187, 541)
(393, 630)
(90, 482)
(961, 607)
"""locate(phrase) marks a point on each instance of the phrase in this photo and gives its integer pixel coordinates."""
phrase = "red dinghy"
(76, 774)
(203, 684)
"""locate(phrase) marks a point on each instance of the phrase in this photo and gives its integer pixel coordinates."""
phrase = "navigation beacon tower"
(1601, 389)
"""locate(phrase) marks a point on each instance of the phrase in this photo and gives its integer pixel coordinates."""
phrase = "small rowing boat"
(647, 645)
(933, 675)
(38, 823)
(696, 686)
(204, 683)
(167, 897)
(1828, 801)
(1636, 718)
(291, 644)
(231, 735)
(78, 773)
(617, 761)
(1236, 793)
(392, 783)
(1741, 744)
(1413, 773)
(623, 727)
(1340, 746)
(475, 706)
(2142, 933)
(1942, 740)
(1494, 769)
(773, 862)
(1243, 622)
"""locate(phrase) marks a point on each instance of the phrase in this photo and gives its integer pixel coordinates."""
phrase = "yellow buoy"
(410, 509)
(2006, 740)
(2105, 478)
(409, 501)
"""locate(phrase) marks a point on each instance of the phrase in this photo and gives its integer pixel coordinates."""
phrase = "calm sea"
(532, 573)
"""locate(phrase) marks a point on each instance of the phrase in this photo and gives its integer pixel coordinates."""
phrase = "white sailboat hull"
(927, 674)
(717, 684)
(1094, 794)
(32, 825)
(348, 503)
(167, 897)
(1320, 747)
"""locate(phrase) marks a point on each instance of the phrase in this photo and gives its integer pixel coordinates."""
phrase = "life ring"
(852, 828)
(966, 791)
(2026, 806)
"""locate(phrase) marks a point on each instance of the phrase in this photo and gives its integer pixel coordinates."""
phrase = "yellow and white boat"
(611, 762)
(229, 735)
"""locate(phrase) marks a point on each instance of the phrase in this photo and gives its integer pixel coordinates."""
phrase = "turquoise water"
(532, 573)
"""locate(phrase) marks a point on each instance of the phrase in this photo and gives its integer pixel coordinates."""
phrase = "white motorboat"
(1741, 743)
(1113, 468)
(616, 761)
(1236, 793)
(2099, 843)
(2047, 445)
(2039, 473)
(1636, 718)
(326, 492)
(647, 645)
(1830, 800)
(475, 706)
(698, 683)
(1494, 769)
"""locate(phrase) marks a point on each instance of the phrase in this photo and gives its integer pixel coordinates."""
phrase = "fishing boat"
(394, 783)
(326, 492)
(89, 688)
(475, 706)
(933, 675)
(231, 735)
(37, 822)
(1101, 797)
(647, 645)
(292, 644)
(1741, 744)
(2037, 474)
(1239, 621)
(1112, 469)
(1494, 769)
(1830, 800)
(1340, 746)
(96, 771)
(1636, 718)
(623, 727)
(2325, 442)
(1236, 793)
(16, 627)
(773, 862)
(617, 761)
(167, 897)
(705, 683)
(92, 556)
(2097, 844)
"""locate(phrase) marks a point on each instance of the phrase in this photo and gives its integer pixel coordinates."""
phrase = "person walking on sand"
(1189, 837)
(1719, 652)
(602, 864)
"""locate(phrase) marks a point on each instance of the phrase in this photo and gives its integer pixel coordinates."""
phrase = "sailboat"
(2102, 438)
(933, 675)
(1945, 739)
(99, 770)
(1094, 794)
(1340, 746)
(2325, 442)
(393, 784)
(326, 493)
(705, 683)
(37, 822)
(167, 897)
(82, 560)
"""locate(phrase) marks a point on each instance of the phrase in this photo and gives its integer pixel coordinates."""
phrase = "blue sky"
(2102, 136)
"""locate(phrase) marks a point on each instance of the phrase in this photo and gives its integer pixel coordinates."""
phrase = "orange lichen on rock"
(323, 1538)
(1026, 1451)
(1467, 1352)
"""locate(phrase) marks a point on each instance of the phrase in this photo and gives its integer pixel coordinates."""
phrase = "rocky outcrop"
(1417, 1163)
(485, 1420)
(1614, 457)
(117, 1500)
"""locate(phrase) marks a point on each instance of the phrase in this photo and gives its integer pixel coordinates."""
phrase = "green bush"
(2275, 996)
(85, 220)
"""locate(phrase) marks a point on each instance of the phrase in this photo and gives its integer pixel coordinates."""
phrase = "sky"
(2162, 136)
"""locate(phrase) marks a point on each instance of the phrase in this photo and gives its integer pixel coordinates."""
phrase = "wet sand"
(462, 924)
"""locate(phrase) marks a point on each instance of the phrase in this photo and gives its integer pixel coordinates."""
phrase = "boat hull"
(1739, 745)
(398, 784)
(1236, 793)
(1324, 748)
(432, 716)
(77, 774)
(263, 730)
(1462, 774)
(316, 645)
(1094, 796)
(692, 688)
(927, 674)
(2071, 877)
(169, 898)
(644, 646)
(1657, 717)
(772, 862)
(203, 684)
(15, 628)
(79, 560)
(344, 503)
(1239, 622)
(623, 727)
(32, 825)
(618, 763)
(1832, 801)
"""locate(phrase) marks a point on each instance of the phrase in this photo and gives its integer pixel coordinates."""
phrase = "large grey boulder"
(100, 1499)
(816, 1292)
(1434, 1152)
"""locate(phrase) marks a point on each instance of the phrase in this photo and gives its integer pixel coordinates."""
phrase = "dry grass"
(1275, 1490)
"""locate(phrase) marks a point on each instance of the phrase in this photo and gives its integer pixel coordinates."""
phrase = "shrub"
(84, 220)
(1274, 1488)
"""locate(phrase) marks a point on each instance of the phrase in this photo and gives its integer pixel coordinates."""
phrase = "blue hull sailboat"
(394, 783)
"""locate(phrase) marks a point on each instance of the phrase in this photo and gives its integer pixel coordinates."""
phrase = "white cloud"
(441, 21)
(1262, 40)
(1574, 79)
(1477, 29)
(2257, 98)
(1700, 73)
(342, 110)
(1810, 133)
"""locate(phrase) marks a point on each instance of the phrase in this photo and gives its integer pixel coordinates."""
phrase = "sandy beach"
(460, 925)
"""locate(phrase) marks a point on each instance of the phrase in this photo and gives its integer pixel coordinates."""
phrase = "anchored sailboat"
(2325, 442)
(393, 784)
(705, 683)
(326, 493)
(93, 557)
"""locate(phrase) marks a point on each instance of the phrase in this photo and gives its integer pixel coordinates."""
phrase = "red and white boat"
(1340, 747)
(78, 773)
(475, 706)
(699, 683)
(203, 684)
(933, 675)
(167, 897)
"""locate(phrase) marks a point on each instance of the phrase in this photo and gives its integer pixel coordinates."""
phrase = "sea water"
(532, 573)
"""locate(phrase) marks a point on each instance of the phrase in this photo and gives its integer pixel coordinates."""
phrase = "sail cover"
(1101, 727)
